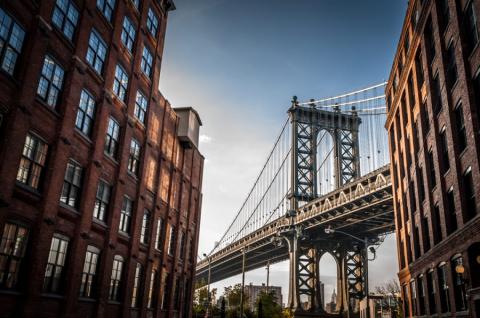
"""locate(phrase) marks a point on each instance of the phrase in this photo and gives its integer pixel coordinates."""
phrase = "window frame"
(112, 138)
(128, 34)
(89, 275)
(96, 52)
(152, 22)
(114, 291)
(126, 215)
(102, 200)
(65, 17)
(9, 276)
(87, 107)
(134, 157)
(16, 47)
(37, 162)
(146, 64)
(58, 263)
(77, 187)
(120, 83)
(44, 94)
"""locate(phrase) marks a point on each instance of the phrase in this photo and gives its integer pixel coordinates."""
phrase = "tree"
(391, 297)
(233, 296)
(267, 305)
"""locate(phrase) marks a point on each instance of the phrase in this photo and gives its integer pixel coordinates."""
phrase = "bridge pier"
(305, 296)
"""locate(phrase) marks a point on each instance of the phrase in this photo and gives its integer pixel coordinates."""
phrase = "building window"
(469, 194)
(437, 228)
(51, 81)
(460, 127)
(182, 246)
(65, 17)
(411, 93)
(165, 286)
(11, 42)
(470, 27)
(451, 66)
(137, 286)
(171, 241)
(126, 215)
(120, 83)
(436, 95)
(416, 242)
(419, 69)
(421, 186)
(96, 52)
(134, 157)
(430, 41)
(72, 185)
(152, 22)
(459, 284)
(12, 251)
(106, 7)
(32, 164)
(55, 264)
(443, 289)
(145, 231)
(426, 234)
(147, 62)
(444, 150)
(101, 201)
(128, 34)
(141, 105)
(85, 113)
(451, 213)
(432, 305)
(431, 165)
(151, 293)
(112, 138)
(421, 296)
(89, 274)
(116, 278)
(158, 241)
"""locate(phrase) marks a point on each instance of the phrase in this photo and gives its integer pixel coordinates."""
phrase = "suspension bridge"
(325, 187)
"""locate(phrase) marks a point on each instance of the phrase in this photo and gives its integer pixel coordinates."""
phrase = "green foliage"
(267, 306)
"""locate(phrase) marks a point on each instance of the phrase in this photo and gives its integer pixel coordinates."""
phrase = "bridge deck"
(363, 207)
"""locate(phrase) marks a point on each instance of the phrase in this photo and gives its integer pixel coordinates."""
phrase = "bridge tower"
(307, 121)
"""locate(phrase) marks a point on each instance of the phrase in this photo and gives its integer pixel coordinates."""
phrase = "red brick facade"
(87, 208)
(433, 100)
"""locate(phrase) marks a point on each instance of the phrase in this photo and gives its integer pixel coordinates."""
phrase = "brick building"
(100, 177)
(433, 100)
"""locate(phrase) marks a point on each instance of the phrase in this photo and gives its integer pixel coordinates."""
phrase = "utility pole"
(268, 275)
(365, 268)
(207, 313)
(243, 283)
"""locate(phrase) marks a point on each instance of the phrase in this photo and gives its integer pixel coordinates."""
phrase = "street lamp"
(330, 230)
(207, 313)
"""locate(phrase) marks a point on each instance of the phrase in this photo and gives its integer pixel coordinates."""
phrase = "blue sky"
(240, 62)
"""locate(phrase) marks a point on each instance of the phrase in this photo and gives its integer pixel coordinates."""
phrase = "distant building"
(322, 292)
(253, 291)
(433, 106)
(332, 305)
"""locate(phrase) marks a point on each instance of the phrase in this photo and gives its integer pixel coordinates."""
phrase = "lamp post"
(207, 313)
(330, 230)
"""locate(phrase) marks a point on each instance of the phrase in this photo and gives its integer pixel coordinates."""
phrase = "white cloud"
(205, 139)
